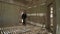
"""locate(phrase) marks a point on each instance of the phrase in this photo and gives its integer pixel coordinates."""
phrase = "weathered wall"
(9, 14)
(0, 15)
(58, 15)
(37, 10)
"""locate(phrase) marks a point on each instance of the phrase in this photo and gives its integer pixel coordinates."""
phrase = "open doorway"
(51, 18)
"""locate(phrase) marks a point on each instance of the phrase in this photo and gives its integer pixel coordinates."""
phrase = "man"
(24, 16)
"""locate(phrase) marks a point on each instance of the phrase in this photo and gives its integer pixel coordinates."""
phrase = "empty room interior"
(29, 16)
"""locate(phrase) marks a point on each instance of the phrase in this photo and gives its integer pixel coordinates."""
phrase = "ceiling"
(31, 2)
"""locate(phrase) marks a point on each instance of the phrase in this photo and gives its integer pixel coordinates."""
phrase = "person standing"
(24, 16)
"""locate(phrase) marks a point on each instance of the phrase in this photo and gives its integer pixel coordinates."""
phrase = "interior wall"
(0, 15)
(9, 14)
(37, 10)
(58, 16)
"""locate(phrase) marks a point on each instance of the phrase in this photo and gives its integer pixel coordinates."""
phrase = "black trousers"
(24, 21)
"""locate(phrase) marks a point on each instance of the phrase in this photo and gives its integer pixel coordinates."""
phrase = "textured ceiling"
(31, 2)
(28, 2)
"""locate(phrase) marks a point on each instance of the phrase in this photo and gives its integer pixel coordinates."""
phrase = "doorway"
(51, 18)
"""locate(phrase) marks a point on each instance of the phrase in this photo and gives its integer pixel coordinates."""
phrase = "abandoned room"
(29, 17)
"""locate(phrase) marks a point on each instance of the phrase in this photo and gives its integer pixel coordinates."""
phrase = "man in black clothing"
(24, 16)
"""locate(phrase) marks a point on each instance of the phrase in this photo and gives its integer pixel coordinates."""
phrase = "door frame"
(54, 17)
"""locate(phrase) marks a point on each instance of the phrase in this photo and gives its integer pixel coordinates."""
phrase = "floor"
(28, 29)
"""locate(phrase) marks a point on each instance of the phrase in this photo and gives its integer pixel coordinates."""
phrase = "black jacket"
(24, 16)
